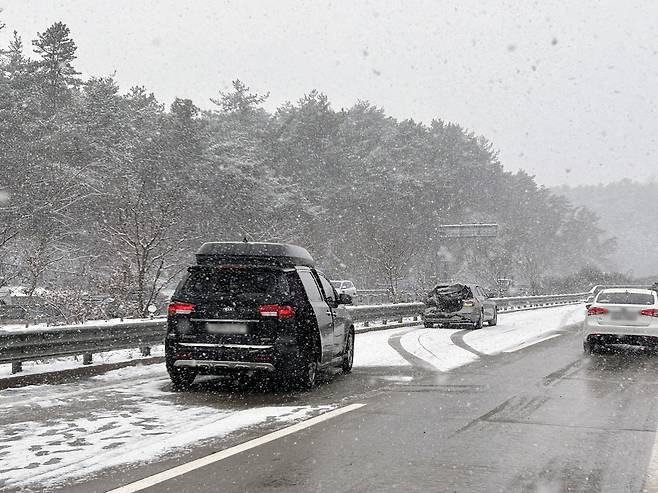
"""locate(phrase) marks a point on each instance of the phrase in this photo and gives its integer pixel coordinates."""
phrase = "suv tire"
(306, 371)
(182, 379)
(348, 357)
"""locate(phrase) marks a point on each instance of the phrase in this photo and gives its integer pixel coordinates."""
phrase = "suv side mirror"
(344, 299)
(587, 306)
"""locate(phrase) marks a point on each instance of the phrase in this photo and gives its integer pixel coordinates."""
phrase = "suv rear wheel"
(182, 379)
(306, 371)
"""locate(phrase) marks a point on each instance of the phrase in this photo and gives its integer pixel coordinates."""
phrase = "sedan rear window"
(245, 284)
(626, 298)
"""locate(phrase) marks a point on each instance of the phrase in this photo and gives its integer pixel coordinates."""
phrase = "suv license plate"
(226, 328)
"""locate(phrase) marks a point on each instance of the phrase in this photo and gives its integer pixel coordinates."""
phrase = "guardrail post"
(146, 351)
(87, 358)
(16, 367)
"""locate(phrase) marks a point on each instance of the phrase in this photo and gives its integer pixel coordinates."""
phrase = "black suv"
(247, 307)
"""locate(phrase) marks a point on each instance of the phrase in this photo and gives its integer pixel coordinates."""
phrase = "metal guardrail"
(70, 340)
(381, 297)
(516, 302)
(368, 313)
(374, 291)
(43, 343)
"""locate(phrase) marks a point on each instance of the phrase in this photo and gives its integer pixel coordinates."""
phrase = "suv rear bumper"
(203, 345)
(226, 365)
(218, 358)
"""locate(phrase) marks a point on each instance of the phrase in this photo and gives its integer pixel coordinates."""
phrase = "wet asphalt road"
(542, 419)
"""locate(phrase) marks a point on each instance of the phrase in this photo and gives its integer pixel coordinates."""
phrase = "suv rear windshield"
(242, 284)
(626, 298)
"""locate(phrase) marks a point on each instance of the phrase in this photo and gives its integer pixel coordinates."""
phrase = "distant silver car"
(459, 304)
(344, 287)
(621, 316)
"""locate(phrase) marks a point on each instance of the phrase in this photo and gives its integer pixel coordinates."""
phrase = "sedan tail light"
(281, 312)
(597, 310)
(179, 308)
(649, 312)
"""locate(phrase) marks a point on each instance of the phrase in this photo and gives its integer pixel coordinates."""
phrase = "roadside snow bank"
(373, 349)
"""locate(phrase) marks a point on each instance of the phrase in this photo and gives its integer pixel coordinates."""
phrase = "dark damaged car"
(256, 308)
(459, 304)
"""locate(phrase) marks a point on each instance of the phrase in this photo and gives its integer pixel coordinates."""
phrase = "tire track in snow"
(458, 340)
(415, 361)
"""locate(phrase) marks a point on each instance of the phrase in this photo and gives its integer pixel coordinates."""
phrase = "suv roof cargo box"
(222, 252)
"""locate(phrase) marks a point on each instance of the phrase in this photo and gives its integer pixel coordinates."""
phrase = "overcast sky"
(565, 90)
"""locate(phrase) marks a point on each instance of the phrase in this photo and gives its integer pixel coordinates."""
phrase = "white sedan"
(346, 287)
(621, 316)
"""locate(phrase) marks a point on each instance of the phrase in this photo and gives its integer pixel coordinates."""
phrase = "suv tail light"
(281, 312)
(597, 310)
(178, 308)
(649, 312)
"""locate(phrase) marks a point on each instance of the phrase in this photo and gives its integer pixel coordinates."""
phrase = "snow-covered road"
(52, 434)
(77, 440)
(437, 346)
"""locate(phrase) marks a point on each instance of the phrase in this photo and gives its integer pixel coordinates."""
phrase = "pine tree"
(14, 54)
(57, 51)
(240, 100)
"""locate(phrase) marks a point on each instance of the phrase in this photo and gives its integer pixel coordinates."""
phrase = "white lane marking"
(217, 456)
(531, 343)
